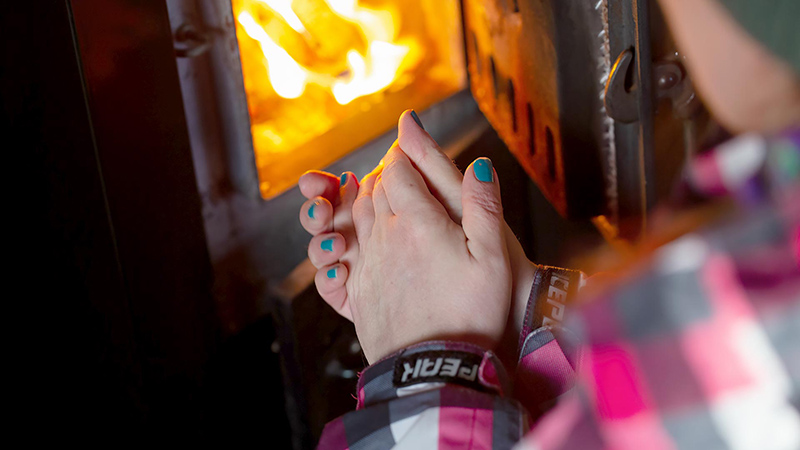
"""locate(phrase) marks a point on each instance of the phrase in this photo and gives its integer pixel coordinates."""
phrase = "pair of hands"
(416, 251)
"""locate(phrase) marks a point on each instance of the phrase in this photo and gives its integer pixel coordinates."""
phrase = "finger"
(437, 169)
(326, 249)
(330, 285)
(380, 202)
(316, 183)
(343, 216)
(316, 216)
(483, 210)
(363, 209)
(405, 188)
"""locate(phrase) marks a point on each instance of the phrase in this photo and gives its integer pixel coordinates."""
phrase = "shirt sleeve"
(697, 346)
(547, 350)
(454, 395)
(431, 395)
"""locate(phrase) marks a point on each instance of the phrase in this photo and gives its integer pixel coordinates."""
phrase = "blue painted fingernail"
(332, 273)
(311, 210)
(483, 170)
(327, 245)
(416, 119)
(343, 179)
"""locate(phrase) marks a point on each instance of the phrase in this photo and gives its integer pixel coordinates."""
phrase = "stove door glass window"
(324, 77)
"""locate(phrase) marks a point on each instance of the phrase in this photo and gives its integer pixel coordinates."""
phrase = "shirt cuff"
(551, 291)
(431, 365)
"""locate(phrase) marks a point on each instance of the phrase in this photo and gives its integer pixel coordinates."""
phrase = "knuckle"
(389, 171)
(316, 228)
(421, 226)
(487, 202)
(423, 157)
(308, 226)
(361, 206)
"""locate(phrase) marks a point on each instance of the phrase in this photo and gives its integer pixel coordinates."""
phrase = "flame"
(377, 25)
(284, 9)
(366, 74)
(323, 77)
(287, 77)
(372, 74)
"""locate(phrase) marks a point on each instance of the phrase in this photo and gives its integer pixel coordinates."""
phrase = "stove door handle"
(621, 96)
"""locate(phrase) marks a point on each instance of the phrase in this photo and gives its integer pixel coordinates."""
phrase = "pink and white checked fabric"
(699, 349)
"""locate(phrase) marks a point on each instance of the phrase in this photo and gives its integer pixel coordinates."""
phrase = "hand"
(419, 275)
(443, 180)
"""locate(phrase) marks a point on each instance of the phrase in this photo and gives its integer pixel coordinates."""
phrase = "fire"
(284, 9)
(287, 77)
(323, 77)
(366, 74)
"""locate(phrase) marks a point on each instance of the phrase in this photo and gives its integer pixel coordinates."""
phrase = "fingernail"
(416, 119)
(311, 210)
(332, 273)
(327, 245)
(343, 179)
(483, 170)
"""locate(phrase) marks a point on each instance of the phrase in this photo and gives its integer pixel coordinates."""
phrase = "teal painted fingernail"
(416, 119)
(483, 170)
(311, 210)
(332, 273)
(327, 245)
(343, 179)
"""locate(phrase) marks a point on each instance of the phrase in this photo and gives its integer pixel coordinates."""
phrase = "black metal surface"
(190, 42)
(673, 83)
(645, 91)
(115, 257)
(535, 64)
(243, 397)
(595, 136)
(620, 98)
(629, 175)
(79, 367)
(142, 149)
(650, 151)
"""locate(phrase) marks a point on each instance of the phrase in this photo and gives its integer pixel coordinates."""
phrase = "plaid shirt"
(698, 347)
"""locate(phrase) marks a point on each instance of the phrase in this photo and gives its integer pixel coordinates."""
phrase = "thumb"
(437, 169)
(483, 221)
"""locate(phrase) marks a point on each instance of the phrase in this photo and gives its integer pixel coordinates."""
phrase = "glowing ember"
(311, 65)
